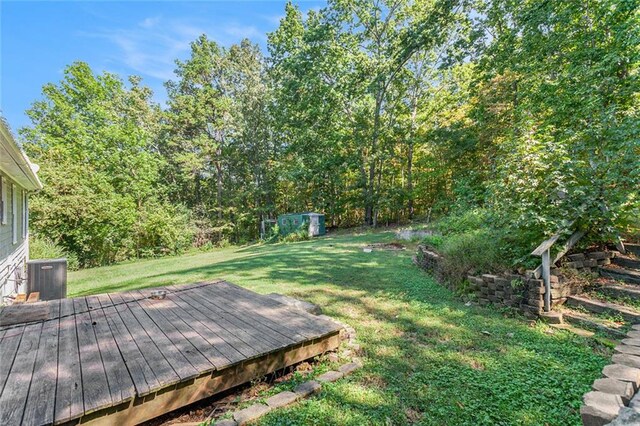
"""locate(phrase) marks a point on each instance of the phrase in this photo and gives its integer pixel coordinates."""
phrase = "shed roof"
(14, 162)
(301, 213)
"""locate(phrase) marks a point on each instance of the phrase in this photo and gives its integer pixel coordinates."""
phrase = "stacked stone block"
(588, 261)
(615, 398)
(511, 290)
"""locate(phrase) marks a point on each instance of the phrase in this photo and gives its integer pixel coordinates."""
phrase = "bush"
(43, 248)
(471, 252)
(466, 221)
(299, 235)
(162, 229)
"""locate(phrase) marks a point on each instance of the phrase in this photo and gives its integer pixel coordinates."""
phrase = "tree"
(217, 136)
(94, 139)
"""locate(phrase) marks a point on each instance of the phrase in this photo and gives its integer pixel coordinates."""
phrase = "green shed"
(292, 222)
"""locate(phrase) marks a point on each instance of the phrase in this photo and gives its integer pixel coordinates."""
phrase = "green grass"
(429, 359)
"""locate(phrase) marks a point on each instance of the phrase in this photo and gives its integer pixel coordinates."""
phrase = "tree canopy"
(371, 111)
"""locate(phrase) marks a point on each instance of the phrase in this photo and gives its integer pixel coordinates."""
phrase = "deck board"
(109, 356)
(68, 397)
(248, 333)
(14, 395)
(121, 385)
(163, 372)
(95, 386)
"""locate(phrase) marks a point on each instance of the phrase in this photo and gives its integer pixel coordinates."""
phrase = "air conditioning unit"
(48, 277)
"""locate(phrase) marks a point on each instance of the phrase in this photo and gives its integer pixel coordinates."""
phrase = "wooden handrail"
(544, 270)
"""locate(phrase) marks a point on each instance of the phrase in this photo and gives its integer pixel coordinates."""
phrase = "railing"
(544, 270)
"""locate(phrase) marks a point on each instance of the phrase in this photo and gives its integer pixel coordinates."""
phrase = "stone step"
(620, 274)
(598, 307)
(621, 291)
(633, 248)
(584, 321)
(627, 262)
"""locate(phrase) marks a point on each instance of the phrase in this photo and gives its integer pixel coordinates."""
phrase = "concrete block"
(330, 376)
(552, 317)
(349, 368)
(615, 387)
(600, 408)
(225, 422)
(624, 373)
(598, 255)
(631, 341)
(626, 349)
(626, 359)
(489, 278)
(307, 388)
(577, 256)
(251, 413)
(282, 399)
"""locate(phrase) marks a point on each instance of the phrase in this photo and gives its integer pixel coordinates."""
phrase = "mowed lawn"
(428, 358)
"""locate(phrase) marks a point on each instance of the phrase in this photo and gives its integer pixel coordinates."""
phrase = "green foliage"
(103, 199)
(471, 252)
(506, 119)
(43, 248)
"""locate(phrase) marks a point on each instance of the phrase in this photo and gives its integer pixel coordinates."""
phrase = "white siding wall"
(13, 255)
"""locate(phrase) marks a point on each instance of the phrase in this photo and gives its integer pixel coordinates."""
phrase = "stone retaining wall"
(587, 261)
(516, 290)
(615, 398)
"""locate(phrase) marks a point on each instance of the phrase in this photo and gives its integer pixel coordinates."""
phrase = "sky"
(38, 39)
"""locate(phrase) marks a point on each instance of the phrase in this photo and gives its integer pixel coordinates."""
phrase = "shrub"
(468, 253)
(44, 248)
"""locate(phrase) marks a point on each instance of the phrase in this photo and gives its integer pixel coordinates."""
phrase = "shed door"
(314, 226)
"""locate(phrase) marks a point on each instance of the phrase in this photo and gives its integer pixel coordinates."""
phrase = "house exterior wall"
(13, 256)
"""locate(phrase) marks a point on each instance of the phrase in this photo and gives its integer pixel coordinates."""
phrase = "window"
(14, 216)
(3, 201)
(25, 214)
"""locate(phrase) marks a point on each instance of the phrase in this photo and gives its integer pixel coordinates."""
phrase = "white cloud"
(151, 47)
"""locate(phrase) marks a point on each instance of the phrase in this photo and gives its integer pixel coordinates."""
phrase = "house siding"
(13, 255)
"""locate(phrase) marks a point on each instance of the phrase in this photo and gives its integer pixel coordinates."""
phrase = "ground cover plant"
(428, 358)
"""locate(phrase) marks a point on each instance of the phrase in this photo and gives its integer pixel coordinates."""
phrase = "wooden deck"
(123, 358)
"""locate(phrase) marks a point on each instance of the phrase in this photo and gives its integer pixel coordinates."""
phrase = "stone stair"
(602, 307)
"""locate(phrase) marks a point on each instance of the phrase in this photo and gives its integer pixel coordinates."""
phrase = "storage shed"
(292, 222)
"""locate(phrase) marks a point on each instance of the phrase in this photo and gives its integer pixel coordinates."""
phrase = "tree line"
(371, 111)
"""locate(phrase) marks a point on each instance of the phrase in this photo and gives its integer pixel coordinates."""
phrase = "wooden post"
(546, 277)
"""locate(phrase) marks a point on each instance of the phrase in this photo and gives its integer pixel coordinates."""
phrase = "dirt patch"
(385, 246)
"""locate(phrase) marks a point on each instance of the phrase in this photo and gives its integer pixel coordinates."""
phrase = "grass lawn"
(428, 358)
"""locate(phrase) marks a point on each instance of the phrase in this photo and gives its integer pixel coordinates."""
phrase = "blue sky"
(39, 38)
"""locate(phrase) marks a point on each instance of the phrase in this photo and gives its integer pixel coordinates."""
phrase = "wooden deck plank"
(297, 324)
(68, 397)
(41, 400)
(234, 335)
(243, 319)
(95, 386)
(277, 331)
(14, 395)
(144, 380)
(119, 379)
(171, 329)
(312, 323)
(187, 326)
(176, 359)
(8, 349)
(162, 370)
(256, 337)
(40, 406)
(211, 334)
(100, 351)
